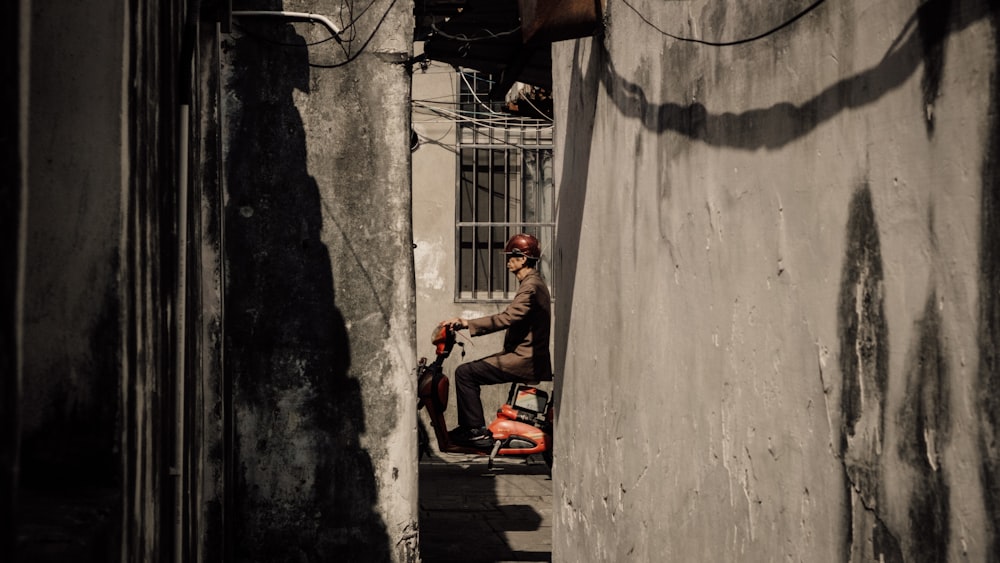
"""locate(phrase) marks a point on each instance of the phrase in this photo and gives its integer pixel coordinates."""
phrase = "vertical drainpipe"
(180, 310)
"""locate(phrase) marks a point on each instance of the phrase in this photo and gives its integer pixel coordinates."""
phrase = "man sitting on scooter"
(525, 354)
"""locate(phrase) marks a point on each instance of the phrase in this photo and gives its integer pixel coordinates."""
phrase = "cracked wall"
(777, 325)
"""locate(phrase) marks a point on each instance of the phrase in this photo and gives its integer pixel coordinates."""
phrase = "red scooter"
(522, 427)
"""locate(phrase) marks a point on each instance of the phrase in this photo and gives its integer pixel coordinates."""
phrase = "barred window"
(505, 186)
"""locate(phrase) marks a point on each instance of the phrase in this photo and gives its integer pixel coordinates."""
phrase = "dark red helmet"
(523, 245)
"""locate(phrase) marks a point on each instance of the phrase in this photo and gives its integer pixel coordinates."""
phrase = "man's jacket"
(527, 319)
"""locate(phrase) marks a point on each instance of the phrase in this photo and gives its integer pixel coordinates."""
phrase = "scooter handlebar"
(443, 339)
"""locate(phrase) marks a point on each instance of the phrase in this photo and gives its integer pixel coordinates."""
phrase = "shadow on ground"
(473, 515)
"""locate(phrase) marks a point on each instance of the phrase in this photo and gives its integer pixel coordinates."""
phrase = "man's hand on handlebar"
(456, 323)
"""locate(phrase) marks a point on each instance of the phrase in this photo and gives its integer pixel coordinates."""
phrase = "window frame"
(517, 140)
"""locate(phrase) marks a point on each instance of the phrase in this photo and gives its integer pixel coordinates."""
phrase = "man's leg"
(468, 379)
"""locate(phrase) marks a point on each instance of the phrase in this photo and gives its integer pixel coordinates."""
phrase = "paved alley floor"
(469, 514)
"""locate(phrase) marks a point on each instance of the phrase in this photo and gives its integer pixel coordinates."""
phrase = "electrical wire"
(349, 57)
(486, 127)
(475, 96)
(787, 23)
(500, 119)
(540, 112)
(489, 34)
(425, 140)
(352, 57)
(472, 91)
(491, 122)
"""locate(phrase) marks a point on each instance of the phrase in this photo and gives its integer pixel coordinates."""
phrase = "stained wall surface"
(319, 289)
(778, 279)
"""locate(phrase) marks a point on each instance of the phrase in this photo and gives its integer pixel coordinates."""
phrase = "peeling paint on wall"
(429, 263)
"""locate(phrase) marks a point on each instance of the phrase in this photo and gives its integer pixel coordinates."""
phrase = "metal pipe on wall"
(295, 16)
(177, 470)
(184, 95)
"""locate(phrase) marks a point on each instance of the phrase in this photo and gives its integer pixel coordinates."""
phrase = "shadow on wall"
(783, 123)
(301, 487)
(582, 104)
(988, 382)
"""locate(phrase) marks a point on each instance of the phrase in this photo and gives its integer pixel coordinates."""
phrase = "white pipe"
(298, 16)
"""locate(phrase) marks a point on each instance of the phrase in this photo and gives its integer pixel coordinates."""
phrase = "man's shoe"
(472, 437)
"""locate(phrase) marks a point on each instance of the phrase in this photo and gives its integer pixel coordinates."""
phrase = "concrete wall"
(319, 287)
(13, 187)
(777, 275)
(97, 258)
(72, 231)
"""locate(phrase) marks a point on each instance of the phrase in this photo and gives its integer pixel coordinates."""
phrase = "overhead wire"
(462, 37)
(472, 91)
(537, 109)
(465, 78)
(487, 129)
(344, 42)
(492, 123)
(351, 58)
(427, 140)
(757, 37)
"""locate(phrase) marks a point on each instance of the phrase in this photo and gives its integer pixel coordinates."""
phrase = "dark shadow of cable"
(784, 122)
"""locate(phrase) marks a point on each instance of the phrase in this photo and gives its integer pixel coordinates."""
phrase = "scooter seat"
(537, 381)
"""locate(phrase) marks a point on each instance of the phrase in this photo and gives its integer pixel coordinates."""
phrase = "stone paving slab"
(469, 514)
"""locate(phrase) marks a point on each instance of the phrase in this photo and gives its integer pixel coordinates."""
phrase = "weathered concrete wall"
(96, 231)
(319, 294)
(777, 271)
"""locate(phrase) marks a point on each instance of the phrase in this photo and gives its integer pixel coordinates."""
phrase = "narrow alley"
(470, 514)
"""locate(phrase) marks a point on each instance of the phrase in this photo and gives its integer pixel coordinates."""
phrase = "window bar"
(474, 239)
(536, 177)
(490, 192)
(506, 211)
(458, 213)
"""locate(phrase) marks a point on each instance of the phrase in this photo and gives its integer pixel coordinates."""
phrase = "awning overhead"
(484, 35)
(510, 39)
